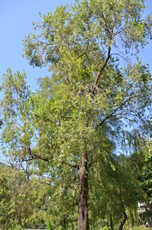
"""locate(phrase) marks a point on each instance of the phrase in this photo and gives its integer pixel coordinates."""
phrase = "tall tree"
(86, 104)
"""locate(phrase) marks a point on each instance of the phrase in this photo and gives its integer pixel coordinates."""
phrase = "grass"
(141, 228)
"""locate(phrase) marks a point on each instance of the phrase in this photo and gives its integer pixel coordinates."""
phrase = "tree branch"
(123, 211)
(114, 111)
(82, 54)
(35, 156)
(71, 165)
(102, 67)
(106, 26)
(69, 80)
(124, 58)
(39, 157)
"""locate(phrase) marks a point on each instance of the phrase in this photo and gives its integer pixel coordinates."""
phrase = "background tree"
(146, 174)
(20, 200)
(115, 200)
(141, 162)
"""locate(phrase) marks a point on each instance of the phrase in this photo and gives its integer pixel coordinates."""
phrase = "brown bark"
(124, 221)
(123, 211)
(103, 67)
(64, 224)
(111, 222)
(83, 223)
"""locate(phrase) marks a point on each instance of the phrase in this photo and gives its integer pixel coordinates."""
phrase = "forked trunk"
(83, 223)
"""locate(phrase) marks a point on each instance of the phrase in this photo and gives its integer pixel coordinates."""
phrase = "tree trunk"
(83, 223)
(124, 221)
(111, 222)
(64, 224)
(123, 209)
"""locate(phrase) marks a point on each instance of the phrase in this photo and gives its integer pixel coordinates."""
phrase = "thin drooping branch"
(69, 80)
(84, 52)
(102, 67)
(124, 58)
(81, 55)
(110, 36)
(71, 164)
(109, 33)
(36, 156)
(39, 157)
(114, 111)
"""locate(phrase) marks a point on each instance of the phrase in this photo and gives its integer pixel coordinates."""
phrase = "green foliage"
(20, 199)
(114, 189)
(16, 113)
(146, 172)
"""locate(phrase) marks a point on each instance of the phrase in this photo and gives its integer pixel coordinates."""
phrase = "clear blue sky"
(16, 17)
